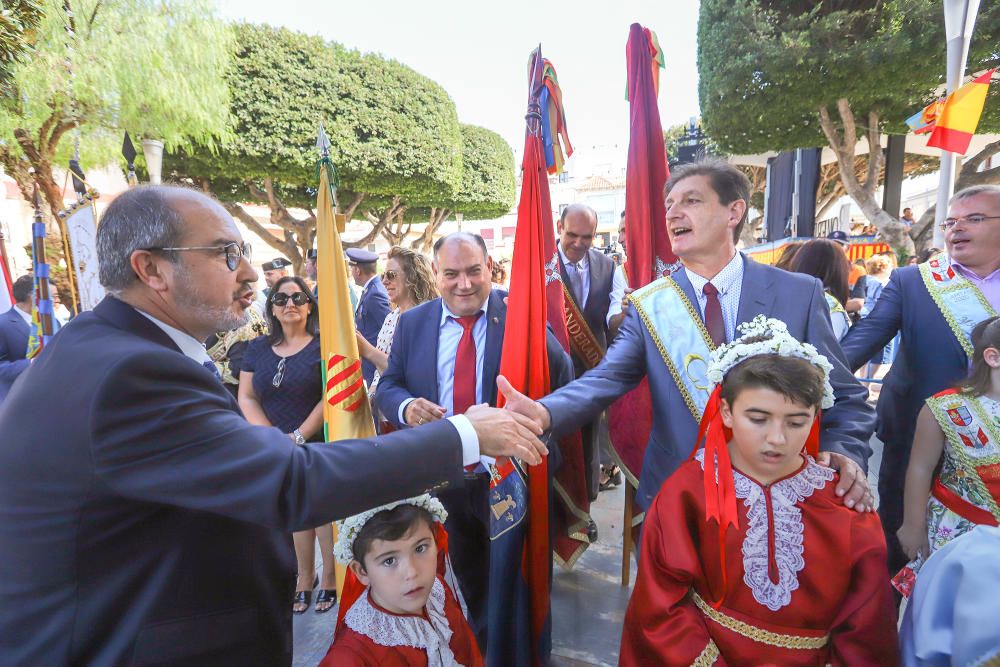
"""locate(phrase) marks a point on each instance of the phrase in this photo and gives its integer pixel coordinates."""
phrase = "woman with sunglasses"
(409, 282)
(281, 384)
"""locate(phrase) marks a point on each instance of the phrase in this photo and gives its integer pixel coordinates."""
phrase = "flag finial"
(322, 142)
(128, 152)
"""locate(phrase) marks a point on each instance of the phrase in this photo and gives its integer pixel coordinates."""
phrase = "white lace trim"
(787, 518)
(384, 629)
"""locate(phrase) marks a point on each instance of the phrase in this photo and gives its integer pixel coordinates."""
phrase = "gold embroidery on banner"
(648, 291)
(707, 657)
(970, 466)
(704, 376)
(758, 634)
(938, 291)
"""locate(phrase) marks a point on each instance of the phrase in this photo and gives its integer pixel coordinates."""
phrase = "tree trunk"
(894, 232)
(425, 241)
(379, 222)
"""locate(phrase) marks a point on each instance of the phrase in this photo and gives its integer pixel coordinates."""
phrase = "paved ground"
(588, 603)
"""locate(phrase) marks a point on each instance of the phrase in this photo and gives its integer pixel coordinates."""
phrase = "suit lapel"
(125, 317)
(431, 331)
(20, 325)
(496, 319)
(684, 283)
(568, 286)
(756, 294)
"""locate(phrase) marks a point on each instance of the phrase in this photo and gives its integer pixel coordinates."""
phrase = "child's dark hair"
(795, 378)
(985, 334)
(389, 525)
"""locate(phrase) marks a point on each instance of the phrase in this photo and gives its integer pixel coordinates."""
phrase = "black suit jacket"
(143, 520)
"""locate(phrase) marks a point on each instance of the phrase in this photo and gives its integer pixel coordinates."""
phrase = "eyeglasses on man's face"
(234, 252)
(298, 298)
(976, 219)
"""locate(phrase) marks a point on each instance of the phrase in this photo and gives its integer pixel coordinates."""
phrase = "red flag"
(6, 288)
(649, 253)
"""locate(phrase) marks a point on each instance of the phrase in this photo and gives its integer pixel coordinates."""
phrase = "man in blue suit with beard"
(675, 322)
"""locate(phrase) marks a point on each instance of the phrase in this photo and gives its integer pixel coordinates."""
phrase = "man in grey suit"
(706, 206)
(143, 520)
(588, 276)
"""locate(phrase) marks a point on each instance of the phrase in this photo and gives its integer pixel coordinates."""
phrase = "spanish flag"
(346, 410)
(960, 116)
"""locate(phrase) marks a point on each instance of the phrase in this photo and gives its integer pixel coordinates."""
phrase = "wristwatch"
(297, 435)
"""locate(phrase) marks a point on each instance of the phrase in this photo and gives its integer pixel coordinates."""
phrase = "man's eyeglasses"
(948, 223)
(234, 252)
(389, 275)
(298, 298)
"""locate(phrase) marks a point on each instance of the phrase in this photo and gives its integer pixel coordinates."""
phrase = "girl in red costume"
(748, 555)
(400, 606)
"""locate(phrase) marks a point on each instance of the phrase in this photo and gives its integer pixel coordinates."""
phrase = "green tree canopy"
(395, 137)
(784, 74)
(149, 66)
(19, 22)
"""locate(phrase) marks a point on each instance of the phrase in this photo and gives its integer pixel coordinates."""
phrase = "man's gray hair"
(973, 190)
(138, 219)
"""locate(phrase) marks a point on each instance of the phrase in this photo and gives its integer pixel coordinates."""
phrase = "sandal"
(303, 598)
(325, 596)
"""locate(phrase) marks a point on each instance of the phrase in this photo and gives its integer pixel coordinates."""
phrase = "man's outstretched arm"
(582, 400)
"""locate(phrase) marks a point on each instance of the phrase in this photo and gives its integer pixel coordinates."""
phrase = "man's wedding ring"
(420, 421)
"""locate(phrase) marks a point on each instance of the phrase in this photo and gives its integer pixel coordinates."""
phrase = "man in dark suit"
(588, 276)
(932, 356)
(706, 206)
(445, 357)
(373, 305)
(15, 327)
(142, 519)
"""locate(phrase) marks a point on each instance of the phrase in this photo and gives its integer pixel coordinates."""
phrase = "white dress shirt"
(619, 283)
(583, 268)
(729, 282)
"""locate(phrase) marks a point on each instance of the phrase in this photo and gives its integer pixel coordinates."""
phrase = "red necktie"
(713, 315)
(464, 387)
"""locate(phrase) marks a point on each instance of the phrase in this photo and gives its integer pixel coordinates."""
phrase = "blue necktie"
(210, 365)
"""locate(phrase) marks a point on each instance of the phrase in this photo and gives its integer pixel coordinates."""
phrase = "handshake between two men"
(513, 431)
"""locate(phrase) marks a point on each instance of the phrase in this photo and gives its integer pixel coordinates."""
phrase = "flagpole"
(959, 20)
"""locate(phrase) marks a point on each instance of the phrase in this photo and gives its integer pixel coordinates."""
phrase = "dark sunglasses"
(389, 275)
(298, 298)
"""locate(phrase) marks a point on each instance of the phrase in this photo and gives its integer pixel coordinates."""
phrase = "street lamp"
(959, 20)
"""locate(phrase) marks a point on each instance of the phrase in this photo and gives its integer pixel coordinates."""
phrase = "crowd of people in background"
(430, 332)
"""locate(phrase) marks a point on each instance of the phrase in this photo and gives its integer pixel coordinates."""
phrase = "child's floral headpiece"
(349, 529)
(775, 340)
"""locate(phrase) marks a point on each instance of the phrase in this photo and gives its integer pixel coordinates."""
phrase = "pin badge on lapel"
(496, 320)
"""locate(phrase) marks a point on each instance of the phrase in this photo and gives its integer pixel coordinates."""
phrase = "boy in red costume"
(400, 606)
(748, 555)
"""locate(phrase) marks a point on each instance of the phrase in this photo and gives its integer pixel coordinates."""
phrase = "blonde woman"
(409, 282)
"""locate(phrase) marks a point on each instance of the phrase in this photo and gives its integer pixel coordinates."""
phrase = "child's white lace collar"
(432, 636)
(787, 521)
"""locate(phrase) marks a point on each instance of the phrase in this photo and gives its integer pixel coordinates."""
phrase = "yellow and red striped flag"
(346, 410)
(958, 120)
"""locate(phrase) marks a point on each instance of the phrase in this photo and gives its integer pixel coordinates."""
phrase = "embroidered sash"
(686, 349)
(833, 304)
(974, 442)
(582, 341)
(961, 303)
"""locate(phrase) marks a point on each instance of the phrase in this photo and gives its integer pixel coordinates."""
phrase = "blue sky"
(479, 50)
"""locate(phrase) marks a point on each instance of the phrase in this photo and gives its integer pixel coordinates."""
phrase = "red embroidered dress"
(373, 637)
(803, 580)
